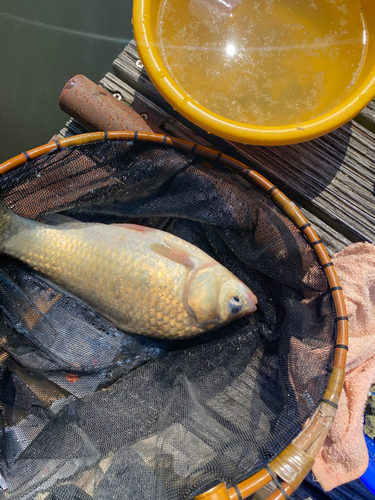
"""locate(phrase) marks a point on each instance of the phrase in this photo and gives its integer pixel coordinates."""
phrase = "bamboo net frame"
(291, 466)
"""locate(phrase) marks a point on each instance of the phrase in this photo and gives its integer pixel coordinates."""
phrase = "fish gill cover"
(91, 412)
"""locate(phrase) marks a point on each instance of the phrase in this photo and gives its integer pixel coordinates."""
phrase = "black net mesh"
(89, 411)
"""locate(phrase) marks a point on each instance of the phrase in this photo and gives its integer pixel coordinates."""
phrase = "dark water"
(44, 43)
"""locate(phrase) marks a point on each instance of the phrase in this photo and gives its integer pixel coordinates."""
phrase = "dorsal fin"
(134, 227)
(57, 219)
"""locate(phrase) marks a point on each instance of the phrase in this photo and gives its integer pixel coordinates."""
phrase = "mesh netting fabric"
(89, 411)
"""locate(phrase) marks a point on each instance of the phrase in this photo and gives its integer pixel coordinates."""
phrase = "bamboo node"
(334, 386)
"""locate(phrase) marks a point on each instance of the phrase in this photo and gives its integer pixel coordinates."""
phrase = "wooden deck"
(330, 178)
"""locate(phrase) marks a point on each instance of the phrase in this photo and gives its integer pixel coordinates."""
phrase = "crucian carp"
(142, 280)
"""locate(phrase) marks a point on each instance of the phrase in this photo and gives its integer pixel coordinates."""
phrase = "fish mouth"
(252, 301)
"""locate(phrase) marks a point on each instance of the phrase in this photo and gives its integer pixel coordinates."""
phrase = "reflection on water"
(43, 44)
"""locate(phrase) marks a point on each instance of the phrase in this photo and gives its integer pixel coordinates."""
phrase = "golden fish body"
(142, 280)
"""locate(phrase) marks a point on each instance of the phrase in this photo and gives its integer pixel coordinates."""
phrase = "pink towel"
(344, 455)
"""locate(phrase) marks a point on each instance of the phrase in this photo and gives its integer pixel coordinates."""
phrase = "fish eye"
(235, 305)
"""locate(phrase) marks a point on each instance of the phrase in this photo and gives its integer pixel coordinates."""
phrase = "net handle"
(295, 461)
(97, 109)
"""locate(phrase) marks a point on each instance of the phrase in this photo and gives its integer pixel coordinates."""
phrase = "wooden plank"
(332, 177)
(157, 115)
(367, 117)
(332, 239)
(369, 111)
(72, 127)
(128, 67)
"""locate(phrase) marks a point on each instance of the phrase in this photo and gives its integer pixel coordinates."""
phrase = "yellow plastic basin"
(145, 17)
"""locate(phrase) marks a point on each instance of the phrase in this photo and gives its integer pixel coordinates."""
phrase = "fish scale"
(142, 280)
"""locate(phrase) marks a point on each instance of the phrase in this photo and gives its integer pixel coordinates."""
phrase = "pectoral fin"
(173, 252)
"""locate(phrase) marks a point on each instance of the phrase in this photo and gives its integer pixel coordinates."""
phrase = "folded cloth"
(344, 455)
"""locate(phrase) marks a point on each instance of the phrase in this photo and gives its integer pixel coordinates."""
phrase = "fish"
(142, 280)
